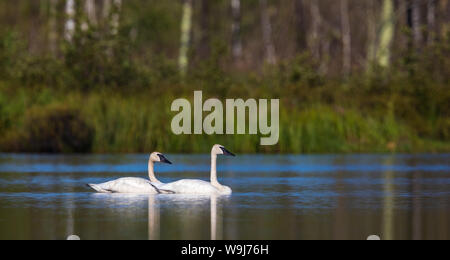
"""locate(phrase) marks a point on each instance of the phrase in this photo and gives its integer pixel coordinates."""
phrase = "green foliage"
(10, 50)
(112, 93)
(133, 123)
(53, 129)
(443, 129)
(325, 130)
(28, 70)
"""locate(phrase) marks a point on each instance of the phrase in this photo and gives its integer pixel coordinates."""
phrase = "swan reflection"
(153, 218)
(216, 220)
(187, 206)
(119, 200)
(189, 212)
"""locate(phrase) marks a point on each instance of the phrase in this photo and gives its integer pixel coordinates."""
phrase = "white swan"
(136, 185)
(202, 187)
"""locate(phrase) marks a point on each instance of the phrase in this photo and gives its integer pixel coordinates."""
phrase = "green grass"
(141, 123)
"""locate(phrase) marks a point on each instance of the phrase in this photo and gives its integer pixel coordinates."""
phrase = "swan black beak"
(164, 159)
(226, 152)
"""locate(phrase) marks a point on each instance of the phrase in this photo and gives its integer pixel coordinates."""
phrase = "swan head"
(220, 149)
(159, 157)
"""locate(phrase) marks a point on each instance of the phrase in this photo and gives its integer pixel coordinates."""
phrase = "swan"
(200, 187)
(136, 185)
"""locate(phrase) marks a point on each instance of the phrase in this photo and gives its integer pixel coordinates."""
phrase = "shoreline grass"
(141, 123)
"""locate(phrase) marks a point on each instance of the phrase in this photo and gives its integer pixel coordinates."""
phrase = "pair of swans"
(154, 186)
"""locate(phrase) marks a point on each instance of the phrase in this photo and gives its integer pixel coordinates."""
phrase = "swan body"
(136, 185)
(199, 187)
(196, 187)
(127, 185)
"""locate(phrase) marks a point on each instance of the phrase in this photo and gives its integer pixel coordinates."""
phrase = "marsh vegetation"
(106, 85)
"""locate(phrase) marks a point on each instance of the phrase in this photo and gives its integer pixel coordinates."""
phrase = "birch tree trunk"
(316, 17)
(111, 14)
(90, 17)
(69, 28)
(346, 38)
(431, 21)
(115, 16)
(186, 26)
(267, 34)
(91, 11)
(386, 34)
(236, 43)
(106, 11)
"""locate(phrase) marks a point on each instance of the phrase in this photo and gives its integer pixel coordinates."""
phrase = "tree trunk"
(371, 32)
(386, 34)
(236, 42)
(314, 41)
(402, 23)
(416, 22)
(115, 16)
(106, 9)
(444, 6)
(186, 26)
(267, 34)
(431, 21)
(89, 17)
(91, 11)
(325, 59)
(69, 28)
(300, 25)
(111, 14)
(204, 47)
(52, 28)
(346, 38)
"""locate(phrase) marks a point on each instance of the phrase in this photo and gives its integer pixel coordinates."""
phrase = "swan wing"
(128, 185)
(190, 187)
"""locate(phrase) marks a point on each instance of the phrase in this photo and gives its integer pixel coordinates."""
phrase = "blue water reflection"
(275, 197)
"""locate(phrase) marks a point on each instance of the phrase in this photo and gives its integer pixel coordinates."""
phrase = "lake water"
(275, 197)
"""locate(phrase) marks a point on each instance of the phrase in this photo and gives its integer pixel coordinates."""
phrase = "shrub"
(54, 129)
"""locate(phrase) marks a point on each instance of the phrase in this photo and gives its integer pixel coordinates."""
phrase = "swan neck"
(214, 181)
(151, 171)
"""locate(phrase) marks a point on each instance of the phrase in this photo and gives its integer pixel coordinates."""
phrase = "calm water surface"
(275, 197)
